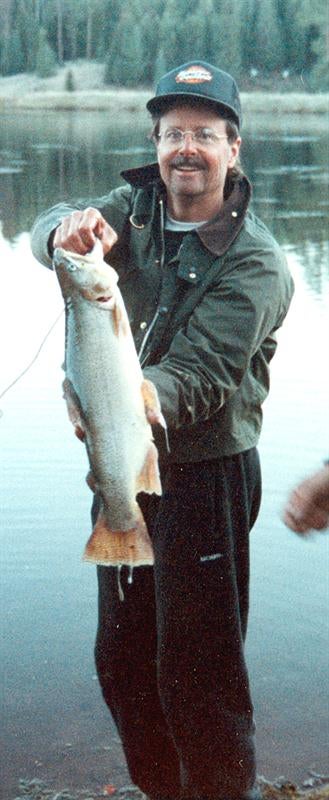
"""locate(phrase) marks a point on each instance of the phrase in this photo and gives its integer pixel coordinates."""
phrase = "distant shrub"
(70, 85)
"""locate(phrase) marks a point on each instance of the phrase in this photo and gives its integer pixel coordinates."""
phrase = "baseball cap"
(197, 79)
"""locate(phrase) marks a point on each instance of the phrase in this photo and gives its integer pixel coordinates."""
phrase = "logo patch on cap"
(194, 74)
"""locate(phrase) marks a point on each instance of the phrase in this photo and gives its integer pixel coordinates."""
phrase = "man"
(206, 287)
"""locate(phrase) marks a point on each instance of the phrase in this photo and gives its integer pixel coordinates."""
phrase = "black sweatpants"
(170, 656)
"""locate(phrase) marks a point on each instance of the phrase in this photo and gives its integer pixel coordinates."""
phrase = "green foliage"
(160, 67)
(138, 40)
(12, 58)
(268, 37)
(228, 36)
(124, 61)
(45, 62)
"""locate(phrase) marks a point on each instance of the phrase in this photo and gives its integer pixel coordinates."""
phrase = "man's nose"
(188, 144)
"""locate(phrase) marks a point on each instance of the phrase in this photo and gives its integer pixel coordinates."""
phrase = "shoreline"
(135, 100)
(36, 789)
(28, 91)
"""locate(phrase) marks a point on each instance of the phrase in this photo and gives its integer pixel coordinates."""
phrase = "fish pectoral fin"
(152, 404)
(73, 408)
(119, 320)
(149, 478)
(152, 407)
(114, 548)
(91, 481)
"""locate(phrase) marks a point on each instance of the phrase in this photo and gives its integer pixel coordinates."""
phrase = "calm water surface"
(54, 722)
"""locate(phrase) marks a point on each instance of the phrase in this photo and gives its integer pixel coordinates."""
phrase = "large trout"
(110, 404)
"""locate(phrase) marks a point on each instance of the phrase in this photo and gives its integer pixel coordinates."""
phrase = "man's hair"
(232, 130)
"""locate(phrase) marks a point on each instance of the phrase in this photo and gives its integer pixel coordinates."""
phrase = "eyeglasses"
(204, 137)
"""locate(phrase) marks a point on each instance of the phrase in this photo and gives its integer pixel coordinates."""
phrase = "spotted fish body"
(109, 403)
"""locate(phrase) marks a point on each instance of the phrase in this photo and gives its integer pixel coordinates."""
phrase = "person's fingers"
(106, 234)
(78, 232)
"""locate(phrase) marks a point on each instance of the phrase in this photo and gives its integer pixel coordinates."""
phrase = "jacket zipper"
(159, 309)
(144, 342)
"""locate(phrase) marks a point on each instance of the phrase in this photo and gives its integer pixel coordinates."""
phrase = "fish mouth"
(104, 301)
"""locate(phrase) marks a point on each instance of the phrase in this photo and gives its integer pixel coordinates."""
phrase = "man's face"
(190, 169)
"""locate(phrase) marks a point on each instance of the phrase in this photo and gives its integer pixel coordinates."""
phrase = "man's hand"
(78, 232)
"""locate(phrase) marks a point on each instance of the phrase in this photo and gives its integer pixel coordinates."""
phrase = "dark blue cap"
(200, 81)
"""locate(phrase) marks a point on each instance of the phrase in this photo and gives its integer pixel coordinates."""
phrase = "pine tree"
(248, 35)
(141, 40)
(226, 38)
(198, 32)
(69, 85)
(28, 28)
(319, 56)
(150, 24)
(45, 57)
(60, 31)
(124, 65)
(12, 56)
(169, 34)
(160, 67)
(270, 55)
(311, 36)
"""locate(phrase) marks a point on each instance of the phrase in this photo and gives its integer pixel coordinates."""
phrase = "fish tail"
(114, 548)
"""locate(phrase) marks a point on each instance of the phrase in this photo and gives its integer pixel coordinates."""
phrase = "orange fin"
(73, 408)
(152, 404)
(149, 478)
(152, 407)
(117, 317)
(119, 320)
(91, 481)
(115, 548)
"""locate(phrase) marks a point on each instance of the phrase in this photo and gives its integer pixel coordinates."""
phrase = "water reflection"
(47, 157)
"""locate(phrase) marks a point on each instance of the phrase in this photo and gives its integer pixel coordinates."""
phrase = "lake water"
(54, 723)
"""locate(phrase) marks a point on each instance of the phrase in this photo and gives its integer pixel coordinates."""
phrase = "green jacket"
(205, 323)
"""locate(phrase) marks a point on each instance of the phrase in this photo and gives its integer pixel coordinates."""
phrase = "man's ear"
(235, 150)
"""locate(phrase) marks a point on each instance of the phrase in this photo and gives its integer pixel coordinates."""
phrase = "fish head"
(88, 275)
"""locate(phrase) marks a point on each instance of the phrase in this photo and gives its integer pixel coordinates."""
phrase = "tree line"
(138, 41)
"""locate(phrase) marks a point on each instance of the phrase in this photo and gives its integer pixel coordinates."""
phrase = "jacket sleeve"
(114, 207)
(229, 338)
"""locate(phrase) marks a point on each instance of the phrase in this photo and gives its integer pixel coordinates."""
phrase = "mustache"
(182, 161)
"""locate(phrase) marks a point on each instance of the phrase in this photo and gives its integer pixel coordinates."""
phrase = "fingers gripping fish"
(111, 406)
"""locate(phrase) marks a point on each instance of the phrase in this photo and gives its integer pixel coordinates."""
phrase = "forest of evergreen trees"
(140, 39)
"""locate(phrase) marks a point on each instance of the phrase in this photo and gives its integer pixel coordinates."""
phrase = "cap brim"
(157, 105)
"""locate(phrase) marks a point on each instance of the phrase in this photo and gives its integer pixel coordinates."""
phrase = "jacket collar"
(218, 233)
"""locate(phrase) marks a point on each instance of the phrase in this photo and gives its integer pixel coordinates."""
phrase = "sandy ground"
(280, 790)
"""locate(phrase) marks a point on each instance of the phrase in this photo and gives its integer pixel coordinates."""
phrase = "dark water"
(54, 723)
